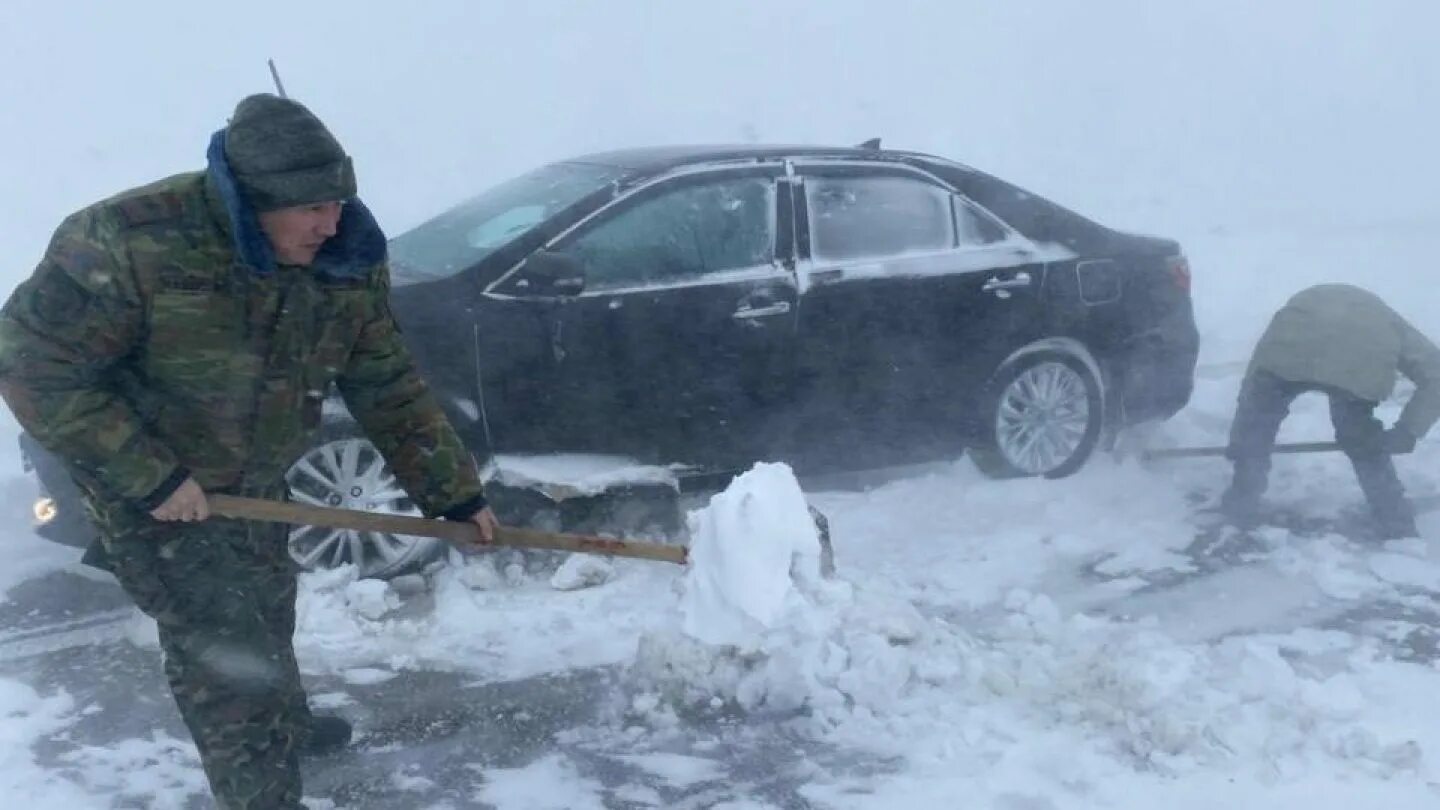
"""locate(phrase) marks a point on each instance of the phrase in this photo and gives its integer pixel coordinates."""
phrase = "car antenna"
(873, 143)
(275, 74)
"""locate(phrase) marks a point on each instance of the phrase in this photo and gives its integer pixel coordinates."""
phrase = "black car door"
(681, 343)
(913, 297)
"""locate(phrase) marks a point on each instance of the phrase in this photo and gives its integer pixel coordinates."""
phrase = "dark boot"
(1362, 437)
(1241, 505)
(329, 734)
(1398, 528)
(1240, 508)
(1394, 516)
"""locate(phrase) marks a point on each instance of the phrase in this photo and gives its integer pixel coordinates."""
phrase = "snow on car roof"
(661, 158)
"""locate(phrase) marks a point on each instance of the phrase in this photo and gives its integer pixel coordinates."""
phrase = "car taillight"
(1179, 268)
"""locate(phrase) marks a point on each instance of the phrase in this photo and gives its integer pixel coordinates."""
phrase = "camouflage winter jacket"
(1344, 337)
(158, 338)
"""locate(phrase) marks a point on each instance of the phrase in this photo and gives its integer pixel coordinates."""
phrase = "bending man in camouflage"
(1348, 344)
(180, 338)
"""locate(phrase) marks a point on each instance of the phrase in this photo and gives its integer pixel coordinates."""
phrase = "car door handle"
(997, 283)
(746, 313)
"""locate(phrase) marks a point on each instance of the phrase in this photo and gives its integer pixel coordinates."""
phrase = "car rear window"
(872, 217)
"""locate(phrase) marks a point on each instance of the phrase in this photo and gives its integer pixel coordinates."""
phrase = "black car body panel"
(870, 362)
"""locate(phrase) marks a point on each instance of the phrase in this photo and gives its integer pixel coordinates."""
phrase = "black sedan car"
(835, 308)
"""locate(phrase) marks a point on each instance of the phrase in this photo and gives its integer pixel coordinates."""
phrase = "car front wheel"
(1042, 415)
(348, 472)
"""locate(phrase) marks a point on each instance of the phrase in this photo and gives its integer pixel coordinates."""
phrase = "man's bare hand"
(488, 523)
(187, 503)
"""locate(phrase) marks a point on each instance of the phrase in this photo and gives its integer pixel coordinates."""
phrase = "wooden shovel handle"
(455, 532)
(1199, 452)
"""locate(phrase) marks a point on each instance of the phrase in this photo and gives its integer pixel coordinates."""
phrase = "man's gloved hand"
(1399, 441)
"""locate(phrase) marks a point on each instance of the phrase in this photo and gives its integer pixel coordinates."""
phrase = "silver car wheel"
(1043, 417)
(350, 473)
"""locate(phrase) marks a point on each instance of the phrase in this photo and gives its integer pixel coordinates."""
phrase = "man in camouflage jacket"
(180, 338)
(1347, 343)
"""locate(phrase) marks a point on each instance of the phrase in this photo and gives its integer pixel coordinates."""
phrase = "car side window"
(974, 226)
(682, 234)
(876, 217)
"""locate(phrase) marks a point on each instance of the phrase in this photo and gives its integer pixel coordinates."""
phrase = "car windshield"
(467, 233)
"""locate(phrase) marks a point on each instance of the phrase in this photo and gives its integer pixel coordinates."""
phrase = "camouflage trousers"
(222, 593)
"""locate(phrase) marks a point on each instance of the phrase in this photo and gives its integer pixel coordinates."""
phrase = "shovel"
(456, 532)
(1201, 452)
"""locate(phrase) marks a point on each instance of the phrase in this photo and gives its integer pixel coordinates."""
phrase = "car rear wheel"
(348, 472)
(1043, 416)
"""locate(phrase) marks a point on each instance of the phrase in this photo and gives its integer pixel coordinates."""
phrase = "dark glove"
(1399, 441)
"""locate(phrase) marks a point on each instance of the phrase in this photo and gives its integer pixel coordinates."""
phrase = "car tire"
(1041, 415)
(346, 470)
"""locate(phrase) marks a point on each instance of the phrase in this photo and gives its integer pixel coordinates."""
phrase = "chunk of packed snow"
(371, 598)
(409, 585)
(582, 571)
(478, 573)
(743, 548)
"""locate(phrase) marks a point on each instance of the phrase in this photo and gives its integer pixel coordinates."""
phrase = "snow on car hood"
(568, 475)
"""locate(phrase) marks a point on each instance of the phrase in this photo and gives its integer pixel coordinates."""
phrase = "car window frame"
(1011, 241)
(782, 225)
(843, 172)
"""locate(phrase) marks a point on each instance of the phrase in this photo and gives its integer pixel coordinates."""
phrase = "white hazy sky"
(1246, 130)
(1110, 106)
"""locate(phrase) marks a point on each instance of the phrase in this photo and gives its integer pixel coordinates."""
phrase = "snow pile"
(745, 547)
(337, 600)
(835, 650)
(758, 627)
(871, 672)
(370, 598)
(864, 666)
(582, 571)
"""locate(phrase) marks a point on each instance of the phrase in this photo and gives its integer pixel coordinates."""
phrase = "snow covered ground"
(1023, 644)
(1030, 645)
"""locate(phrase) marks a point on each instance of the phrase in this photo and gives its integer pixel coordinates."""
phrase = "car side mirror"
(549, 272)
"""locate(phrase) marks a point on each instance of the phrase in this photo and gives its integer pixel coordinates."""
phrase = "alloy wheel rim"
(349, 474)
(1043, 417)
